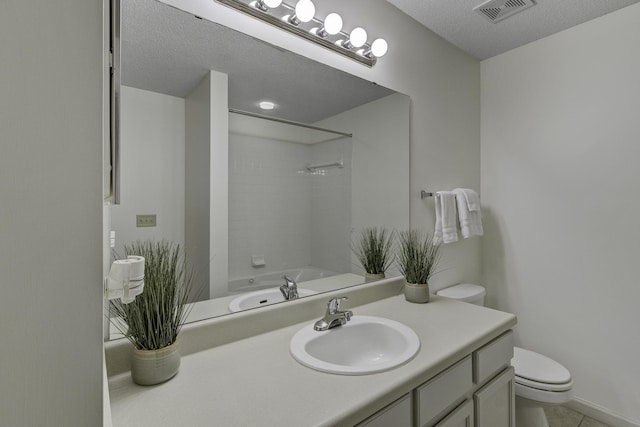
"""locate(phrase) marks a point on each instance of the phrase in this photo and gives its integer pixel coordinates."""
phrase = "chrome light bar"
(310, 30)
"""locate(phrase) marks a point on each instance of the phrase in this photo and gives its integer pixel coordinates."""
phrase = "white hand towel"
(469, 212)
(445, 229)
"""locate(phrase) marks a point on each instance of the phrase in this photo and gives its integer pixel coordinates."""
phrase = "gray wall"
(152, 167)
(560, 179)
(51, 213)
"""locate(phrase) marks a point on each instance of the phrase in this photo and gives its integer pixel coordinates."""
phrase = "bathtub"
(274, 279)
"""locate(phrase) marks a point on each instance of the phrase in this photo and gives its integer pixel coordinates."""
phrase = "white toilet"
(540, 381)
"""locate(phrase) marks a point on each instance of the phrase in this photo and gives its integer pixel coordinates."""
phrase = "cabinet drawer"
(443, 393)
(397, 414)
(492, 358)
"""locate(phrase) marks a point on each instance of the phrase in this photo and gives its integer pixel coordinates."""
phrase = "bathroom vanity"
(460, 376)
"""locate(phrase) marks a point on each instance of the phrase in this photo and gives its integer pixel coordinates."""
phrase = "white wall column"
(207, 184)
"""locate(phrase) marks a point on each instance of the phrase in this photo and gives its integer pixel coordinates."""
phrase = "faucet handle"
(334, 304)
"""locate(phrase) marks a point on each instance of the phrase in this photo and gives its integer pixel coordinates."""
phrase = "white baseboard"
(601, 414)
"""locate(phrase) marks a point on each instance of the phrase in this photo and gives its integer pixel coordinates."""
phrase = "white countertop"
(256, 382)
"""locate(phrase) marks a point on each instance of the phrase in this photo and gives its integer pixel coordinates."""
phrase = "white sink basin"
(365, 345)
(262, 298)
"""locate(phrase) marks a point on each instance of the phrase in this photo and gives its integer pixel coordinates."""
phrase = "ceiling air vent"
(497, 10)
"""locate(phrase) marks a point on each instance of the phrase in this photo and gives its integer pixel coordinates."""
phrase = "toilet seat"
(540, 378)
(536, 367)
(533, 367)
(543, 386)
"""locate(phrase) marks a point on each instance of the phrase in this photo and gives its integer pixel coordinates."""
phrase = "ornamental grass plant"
(418, 256)
(154, 319)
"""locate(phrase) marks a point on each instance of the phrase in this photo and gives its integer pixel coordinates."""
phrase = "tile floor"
(559, 416)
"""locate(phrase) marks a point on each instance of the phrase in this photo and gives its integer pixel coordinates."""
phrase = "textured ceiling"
(457, 22)
(168, 51)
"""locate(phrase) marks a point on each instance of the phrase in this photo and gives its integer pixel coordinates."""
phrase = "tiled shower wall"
(278, 209)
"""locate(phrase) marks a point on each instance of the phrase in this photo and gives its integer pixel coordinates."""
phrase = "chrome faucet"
(289, 289)
(333, 317)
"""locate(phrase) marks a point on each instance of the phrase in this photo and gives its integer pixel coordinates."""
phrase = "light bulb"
(379, 47)
(358, 37)
(267, 105)
(333, 23)
(305, 9)
(264, 5)
(272, 3)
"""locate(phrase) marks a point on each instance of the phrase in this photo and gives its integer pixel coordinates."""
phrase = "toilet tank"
(466, 292)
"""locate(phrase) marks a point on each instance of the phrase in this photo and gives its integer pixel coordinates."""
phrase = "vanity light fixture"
(299, 19)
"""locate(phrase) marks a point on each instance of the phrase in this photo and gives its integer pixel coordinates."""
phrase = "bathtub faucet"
(289, 289)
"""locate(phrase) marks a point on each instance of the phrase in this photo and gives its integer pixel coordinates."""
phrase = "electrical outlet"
(145, 220)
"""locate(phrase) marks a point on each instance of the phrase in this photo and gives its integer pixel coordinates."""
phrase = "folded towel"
(471, 197)
(445, 229)
(469, 212)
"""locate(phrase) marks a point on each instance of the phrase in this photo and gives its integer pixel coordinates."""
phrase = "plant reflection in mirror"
(374, 249)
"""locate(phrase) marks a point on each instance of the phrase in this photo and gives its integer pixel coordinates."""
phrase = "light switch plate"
(145, 220)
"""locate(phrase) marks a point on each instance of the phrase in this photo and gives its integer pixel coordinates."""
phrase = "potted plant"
(373, 249)
(417, 259)
(153, 320)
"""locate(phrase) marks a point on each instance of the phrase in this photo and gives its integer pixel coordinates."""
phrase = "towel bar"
(425, 194)
(338, 164)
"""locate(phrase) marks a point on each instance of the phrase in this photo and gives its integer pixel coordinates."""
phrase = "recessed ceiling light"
(267, 105)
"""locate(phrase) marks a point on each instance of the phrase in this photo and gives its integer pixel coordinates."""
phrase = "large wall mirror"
(250, 198)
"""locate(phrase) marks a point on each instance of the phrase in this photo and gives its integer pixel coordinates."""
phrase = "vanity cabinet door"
(462, 416)
(398, 414)
(495, 402)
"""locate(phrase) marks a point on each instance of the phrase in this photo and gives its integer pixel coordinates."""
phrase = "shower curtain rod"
(288, 122)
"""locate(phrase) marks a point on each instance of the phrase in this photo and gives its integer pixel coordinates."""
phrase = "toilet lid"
(464, 291)
(535, 367)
